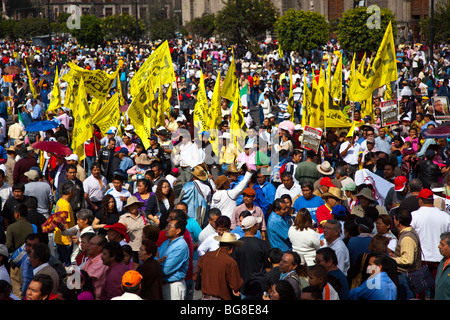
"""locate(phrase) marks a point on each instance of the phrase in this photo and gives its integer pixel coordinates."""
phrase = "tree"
(441, 24)
(240, 20)
(163, 29)
(90, 31)
(299, 30)
(121, 27)
(356, 32)
(203, 26)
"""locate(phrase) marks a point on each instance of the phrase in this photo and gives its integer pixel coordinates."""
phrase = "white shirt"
(351, 157)
(209, 244)
(127, 296)
(305, 242)
(117, 194)
(342, 254)
(430, 223)
(92, 188)
(296, 190)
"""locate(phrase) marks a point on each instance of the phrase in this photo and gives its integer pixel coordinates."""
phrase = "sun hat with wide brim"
(199, 173)
(133, 200)
(142, 159)
(333, 192)
(325, 168)
(366, 193)
(233, 168)
(228, 237)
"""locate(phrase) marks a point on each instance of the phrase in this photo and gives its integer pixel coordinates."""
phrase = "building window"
(108, 12)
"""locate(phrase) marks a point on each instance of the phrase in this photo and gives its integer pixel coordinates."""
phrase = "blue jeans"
(404, 290)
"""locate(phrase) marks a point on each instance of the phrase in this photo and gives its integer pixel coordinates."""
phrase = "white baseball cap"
(73, 156)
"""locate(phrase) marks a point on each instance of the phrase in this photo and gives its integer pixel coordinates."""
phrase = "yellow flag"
(290, 108)
(237, 122)
(316, 116)
(108, 115)
(215, 116)
(82, 127)
(230, 82)
(201, 109)
(158, 66)
(160, 122)
(119, 91)
(30, 80)
(98, 83)
(384, 67)
(336, 83)
(55, 101)
(330, 62)
(140, 113)
(95, 105)
(167, 100)
(350, 80)
(306, 101)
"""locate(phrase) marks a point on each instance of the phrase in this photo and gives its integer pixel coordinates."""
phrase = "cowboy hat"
(199, 173)
(325, 168)
(142, 159)
(333, 192)
(232, 168)
(120, 228)
(366, 193)
(220, 181)
(133, 200)
(228, 237)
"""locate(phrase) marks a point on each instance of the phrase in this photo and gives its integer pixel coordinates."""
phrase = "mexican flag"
(244, 96)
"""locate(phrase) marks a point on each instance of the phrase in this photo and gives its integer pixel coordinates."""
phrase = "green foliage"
(8, 29)
(163, 29)
(240, 20)
(90, 32)
(353, 33)
(299, 30)
(202, 27)
(121, 27)
(441, 24)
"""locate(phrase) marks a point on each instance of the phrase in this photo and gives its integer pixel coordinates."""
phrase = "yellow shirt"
(228, 154)
(64, 205)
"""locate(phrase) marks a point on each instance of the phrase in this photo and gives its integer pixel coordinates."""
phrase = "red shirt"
(323, 213)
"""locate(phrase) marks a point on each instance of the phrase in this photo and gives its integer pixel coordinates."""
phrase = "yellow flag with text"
(215, 116)
(316, 116)
(158, 66)
(55, 101)
(237, 122)
(82, 127)
(336, 82)
(201, 109)
(306, 101)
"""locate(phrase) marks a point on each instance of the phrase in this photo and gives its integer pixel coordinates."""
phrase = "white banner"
(380, 185)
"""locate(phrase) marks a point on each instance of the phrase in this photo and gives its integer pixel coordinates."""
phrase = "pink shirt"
(249, 160)
(96, 270)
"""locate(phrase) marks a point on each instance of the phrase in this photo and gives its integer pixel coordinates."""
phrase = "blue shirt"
(126, 164)
(311, 205)
(4, 110)
(269, 191)
(277, 231)
(194, 229)
(27, 274)
(37, 112)
(379, 287)
(176, 265)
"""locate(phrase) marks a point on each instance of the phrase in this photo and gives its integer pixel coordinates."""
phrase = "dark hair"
(115, 250)
(95, 165)
(308, 184)
(30, 202)
(275, 255)
(170, 196)
(223, 221)
(22, 210)
(42, 252)
(33, 236)
(328, 254)
(146, 183)
(371, 212)
(66, 293)
(285, 290)
(151, 232)
(46, 284)
(415, 185)
(381, 259)
(18, 186)
(277, 204)
(71, 166)
(214, 212)
(303, 220)
(244, 214)
(403, 216)
(150, 247)
(316, 292)
(104, 208)
(67, 188)
(319, 271)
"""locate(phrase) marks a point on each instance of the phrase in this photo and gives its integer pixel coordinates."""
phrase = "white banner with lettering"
(380, 186)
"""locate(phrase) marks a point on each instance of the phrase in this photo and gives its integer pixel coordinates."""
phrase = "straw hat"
(199, 173)
(366, 193)
(133, 200)
(220, 181)
(228, 237)
(142, 159)
(325, 168)
(232, 168)
(334, 192)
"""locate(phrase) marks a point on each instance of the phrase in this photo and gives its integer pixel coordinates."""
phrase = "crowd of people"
(265, 220)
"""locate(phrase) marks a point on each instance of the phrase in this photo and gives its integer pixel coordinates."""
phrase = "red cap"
(425, 194)
(326, 181)
(400, 183)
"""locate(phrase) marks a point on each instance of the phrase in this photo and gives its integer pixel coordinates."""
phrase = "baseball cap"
(339, 210)
(111, 130)
(249, 191)
(249, 222)
(400, 183)
(425, 194)
(326, 181)
(131, 278)
(32, 174)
